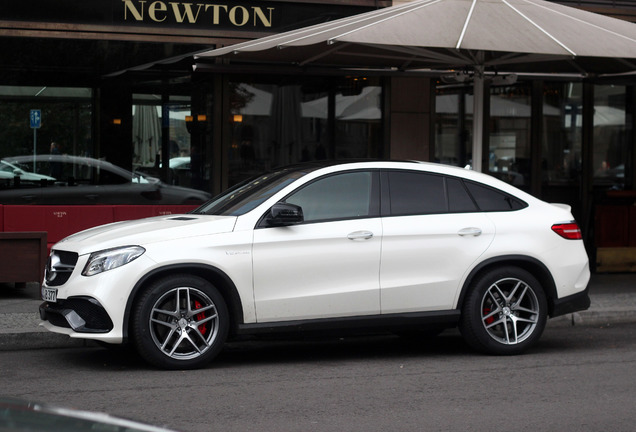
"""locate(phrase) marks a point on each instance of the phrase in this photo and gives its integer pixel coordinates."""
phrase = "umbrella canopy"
(506, 34)
(479, 35)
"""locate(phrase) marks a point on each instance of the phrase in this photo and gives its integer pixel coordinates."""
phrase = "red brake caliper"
(491, 319)
(202, 328)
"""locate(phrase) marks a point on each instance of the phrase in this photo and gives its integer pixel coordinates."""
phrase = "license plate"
(49, 294)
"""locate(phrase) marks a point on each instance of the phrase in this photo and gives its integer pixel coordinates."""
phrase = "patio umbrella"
(472, 35)
(147, 134)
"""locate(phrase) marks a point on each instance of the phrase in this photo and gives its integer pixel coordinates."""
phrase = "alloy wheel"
(510, 311)
(184, 323)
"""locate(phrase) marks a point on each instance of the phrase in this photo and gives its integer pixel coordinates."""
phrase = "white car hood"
(145, 231)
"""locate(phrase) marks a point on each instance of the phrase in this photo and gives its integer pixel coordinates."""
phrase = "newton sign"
(160, 11)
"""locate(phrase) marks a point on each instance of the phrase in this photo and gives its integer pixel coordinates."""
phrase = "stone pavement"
(613, 302)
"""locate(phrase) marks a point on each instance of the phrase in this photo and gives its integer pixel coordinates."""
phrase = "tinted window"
(341, 196)
(459, 200)
(489, 199)
(416, 193)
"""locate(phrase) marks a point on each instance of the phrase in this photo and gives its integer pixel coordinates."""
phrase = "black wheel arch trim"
(220, 279)
(530, 264)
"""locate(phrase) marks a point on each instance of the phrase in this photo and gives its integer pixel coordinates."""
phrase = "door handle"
(91, 197)
(360, 235)
(470, 231)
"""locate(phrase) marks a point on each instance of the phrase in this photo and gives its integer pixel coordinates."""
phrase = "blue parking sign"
(36, 118)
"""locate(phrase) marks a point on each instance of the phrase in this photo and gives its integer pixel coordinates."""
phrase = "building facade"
(114, 80)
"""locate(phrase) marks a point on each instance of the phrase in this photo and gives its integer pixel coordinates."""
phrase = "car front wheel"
(505, 312)
(180, 322)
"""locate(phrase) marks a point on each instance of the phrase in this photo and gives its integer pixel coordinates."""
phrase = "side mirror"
(283, 214)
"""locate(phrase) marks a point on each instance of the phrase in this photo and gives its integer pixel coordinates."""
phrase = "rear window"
(491, 200)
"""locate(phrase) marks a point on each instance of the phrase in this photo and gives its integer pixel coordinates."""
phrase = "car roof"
(431, 167)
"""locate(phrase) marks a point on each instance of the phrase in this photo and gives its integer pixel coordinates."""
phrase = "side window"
(489, 199)
(416, 193)
(340, 196)
(105, 177)
(459, 201)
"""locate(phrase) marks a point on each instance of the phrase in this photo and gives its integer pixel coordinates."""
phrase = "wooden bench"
(23, 256)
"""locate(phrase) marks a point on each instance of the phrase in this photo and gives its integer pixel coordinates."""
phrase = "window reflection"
(561, 163)
(509, 149)
(610, 136)
(275, 124)
(150, 120)
(453, 123)
(66, 120)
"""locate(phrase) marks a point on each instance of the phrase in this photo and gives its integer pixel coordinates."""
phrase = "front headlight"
(109, 259)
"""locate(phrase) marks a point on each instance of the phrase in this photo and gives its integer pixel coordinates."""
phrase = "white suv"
(364, 245)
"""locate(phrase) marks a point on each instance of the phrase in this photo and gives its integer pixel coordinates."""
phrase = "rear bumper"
(573, 303)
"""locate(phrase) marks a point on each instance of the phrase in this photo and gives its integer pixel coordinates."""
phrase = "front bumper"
(81, 314)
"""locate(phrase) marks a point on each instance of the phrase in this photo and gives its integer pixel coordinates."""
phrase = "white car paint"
(358, 267)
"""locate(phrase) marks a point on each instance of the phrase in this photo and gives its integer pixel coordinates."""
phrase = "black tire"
(505, 312)
(180, 322)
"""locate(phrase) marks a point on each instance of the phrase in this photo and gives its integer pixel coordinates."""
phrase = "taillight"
(569, 230)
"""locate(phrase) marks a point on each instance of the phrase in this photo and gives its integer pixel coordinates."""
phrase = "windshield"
(249, 194)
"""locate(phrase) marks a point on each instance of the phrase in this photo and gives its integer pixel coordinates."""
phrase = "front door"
(329, 265)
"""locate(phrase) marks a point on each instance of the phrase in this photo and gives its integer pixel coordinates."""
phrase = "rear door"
(432, 237)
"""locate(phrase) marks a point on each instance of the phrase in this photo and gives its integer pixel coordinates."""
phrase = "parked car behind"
(11, 171)
(82, 180)
(28, 416)
(335, 246)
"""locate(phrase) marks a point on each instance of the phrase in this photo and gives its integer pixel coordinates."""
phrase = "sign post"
(36, 122)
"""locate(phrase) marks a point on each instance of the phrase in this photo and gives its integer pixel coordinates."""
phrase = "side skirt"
(443, 319)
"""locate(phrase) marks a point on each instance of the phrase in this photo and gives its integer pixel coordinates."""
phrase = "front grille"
(59, 267)
(82, 314)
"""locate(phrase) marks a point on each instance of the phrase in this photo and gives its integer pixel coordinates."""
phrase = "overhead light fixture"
(504, 79)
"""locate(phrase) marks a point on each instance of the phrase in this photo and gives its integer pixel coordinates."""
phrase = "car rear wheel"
(505, 312)
(180, 322)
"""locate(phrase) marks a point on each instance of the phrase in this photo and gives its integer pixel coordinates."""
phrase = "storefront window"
(453, 141)
(561, 149)
(358, 117)
(611, 141)
(56, 163)
(280, 124)
(509, 141)
(38, 124)
(65, 118)
(150, 120)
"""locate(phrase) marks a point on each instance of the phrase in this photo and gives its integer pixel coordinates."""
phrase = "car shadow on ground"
(318, 349)
(289, 350)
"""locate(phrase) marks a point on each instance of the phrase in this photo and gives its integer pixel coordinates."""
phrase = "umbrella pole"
(478, 118)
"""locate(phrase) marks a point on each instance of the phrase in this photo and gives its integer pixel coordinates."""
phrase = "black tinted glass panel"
(458, 198)
(489, 199)
(341, 196)
(416, 193)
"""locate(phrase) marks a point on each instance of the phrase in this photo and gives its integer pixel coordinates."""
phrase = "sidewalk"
(613, 302)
